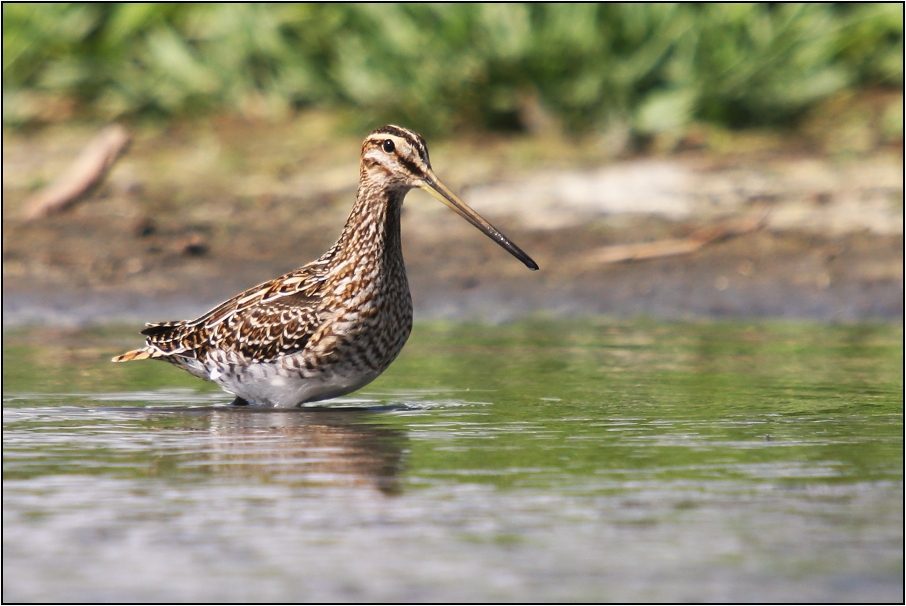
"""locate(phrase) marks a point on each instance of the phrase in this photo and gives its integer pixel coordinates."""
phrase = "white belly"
(269, 384)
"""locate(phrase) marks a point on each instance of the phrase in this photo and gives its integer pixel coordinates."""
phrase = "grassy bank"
(440, 68)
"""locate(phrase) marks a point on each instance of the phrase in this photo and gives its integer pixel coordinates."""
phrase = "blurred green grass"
(445, 67)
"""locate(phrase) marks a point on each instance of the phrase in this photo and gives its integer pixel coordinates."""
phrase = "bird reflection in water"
(319, 447)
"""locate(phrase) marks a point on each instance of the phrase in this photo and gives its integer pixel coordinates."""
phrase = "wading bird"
(332, 326)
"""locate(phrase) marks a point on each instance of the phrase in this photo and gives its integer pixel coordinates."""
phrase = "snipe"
(334, 325)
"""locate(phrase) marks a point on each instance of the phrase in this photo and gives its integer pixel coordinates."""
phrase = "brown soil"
(190, 216)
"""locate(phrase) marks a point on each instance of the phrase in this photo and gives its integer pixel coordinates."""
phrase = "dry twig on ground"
(83, 174)
(680, 246)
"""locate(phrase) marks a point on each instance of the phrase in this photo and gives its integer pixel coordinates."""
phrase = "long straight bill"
(433, 186)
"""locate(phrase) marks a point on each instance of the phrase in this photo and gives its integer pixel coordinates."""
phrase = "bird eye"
(388, 146)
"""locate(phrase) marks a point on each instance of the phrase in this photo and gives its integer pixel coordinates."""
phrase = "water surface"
(550, 461)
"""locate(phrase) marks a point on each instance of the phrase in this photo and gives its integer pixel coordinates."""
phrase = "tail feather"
(164, 340)
(137, 354)
(157, 329)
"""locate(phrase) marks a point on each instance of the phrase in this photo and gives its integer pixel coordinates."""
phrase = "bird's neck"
(371, 236)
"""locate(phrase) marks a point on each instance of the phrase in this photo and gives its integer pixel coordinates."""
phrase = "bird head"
(396, 158)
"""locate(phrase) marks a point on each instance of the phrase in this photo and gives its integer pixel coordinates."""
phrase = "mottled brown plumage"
(332, 326)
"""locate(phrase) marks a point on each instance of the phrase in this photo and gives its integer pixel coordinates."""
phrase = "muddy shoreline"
(189, 217)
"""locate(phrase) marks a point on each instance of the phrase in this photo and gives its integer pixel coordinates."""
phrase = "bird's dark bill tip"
(519, 254)
(526, 260)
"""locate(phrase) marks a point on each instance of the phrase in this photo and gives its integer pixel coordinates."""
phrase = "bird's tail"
(136, 354)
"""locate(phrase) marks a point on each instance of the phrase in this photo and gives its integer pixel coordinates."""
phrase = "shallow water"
(540, 461)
